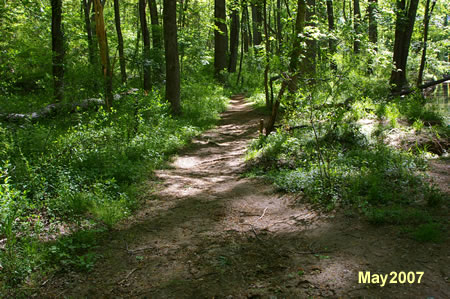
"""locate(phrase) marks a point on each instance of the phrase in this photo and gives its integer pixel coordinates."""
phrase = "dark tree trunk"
(234, 37)
(104, 52)
(373, 25)
(403, 31)
(248, 32)
(88, 28)
(146, 52)
(279, 28)
(291, 81)
(156, 29)
(426, 22)
(244, 26)
(57, 50)
(172, 58)
(356, 24)
(257, 19)
(220, 38)
(123, 71)
(331, 40)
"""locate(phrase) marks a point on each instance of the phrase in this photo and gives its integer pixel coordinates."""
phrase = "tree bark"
(123, 71)
(309, 61)
(331, 40)
(356, 24)
(156, 29)
(373, 24)
(426, 22)
(234, 37)
(267, 56)
(57, 50)
(256, 21)
(279, 27)
(403, 32)
(104, 52)
(220, 38)
(172, 58)
(290, 81)
(146, 52)
(88, 28)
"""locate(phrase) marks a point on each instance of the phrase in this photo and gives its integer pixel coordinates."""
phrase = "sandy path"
(209, 233)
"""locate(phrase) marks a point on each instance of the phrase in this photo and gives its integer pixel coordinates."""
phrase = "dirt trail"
(209, 233)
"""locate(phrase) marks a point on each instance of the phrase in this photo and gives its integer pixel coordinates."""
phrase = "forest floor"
(205, 231)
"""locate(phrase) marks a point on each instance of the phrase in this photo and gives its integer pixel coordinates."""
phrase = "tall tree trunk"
(234, 37)
(245, 26)
(88, 28)
(57, 50)
(331, 40)
(172, 58)
(356, 24)
(309, 62)
(247, 23)
(267, 56)
(279, 28)
(291, 82)
(373, 30)
(156, 29)
(123, 71)
(146, 52)
(403, 31)
(104, 52)
(256, 21)
(220, 38)
(426, 23)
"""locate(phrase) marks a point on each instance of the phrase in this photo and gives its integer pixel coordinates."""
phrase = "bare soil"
(207, 232)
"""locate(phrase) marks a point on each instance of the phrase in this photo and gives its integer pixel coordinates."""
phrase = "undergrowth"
(77, 173)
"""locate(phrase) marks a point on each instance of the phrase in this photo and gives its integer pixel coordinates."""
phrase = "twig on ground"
(262, 214)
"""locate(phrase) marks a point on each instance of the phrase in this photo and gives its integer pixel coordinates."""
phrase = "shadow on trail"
(211, 234)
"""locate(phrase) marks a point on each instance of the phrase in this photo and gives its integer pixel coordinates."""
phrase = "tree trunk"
(220, 38)
(331, 40)
(146, 52)
(403, 32)
(426, 22)
(156, 29)
(256, 21)
(267, 56)
(234, 37)
(104, 52)
(373, 30)
(88, 28)
(279, 28)
(123, 71)
(309, 62)
(248, 31)
(291, 81)
(172, 58)
(57, 50)
(356, 24)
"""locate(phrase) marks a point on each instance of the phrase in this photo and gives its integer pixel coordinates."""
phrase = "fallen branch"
(423, 86)
(52, 109)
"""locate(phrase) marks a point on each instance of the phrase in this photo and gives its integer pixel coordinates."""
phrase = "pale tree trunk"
(172, 58)
(104, 52)
(57, 50)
